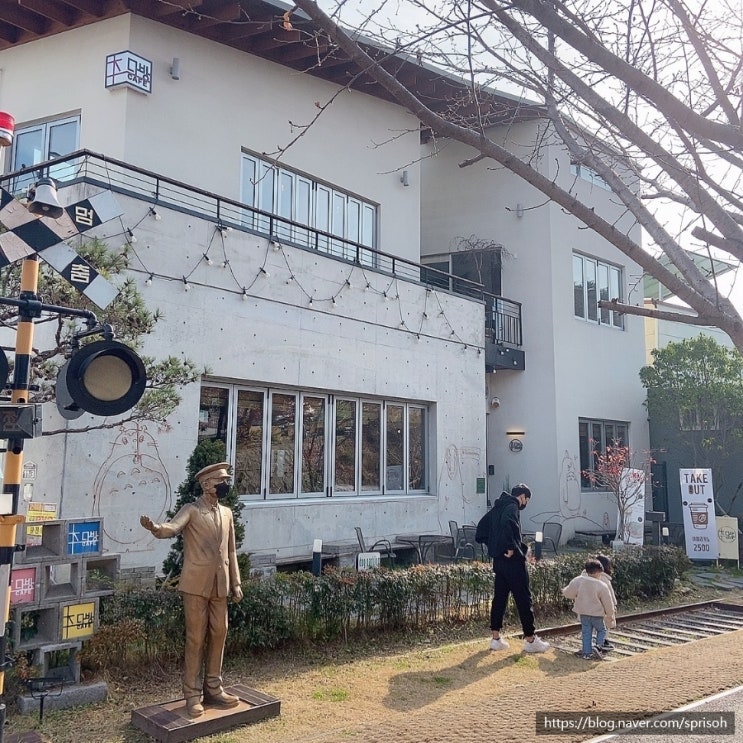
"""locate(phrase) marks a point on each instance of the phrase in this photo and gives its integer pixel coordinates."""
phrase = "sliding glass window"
(298, 444)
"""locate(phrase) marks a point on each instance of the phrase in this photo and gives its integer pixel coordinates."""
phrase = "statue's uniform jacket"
(209, 557)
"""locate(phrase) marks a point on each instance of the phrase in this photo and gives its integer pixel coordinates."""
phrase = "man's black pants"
(511, 577)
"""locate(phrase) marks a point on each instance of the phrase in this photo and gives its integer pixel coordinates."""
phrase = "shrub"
(143, 624)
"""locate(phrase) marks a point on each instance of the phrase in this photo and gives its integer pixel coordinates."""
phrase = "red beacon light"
(7, 127)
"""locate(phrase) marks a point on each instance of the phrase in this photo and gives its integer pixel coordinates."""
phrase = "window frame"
(595, 280)
(411, 475)
(599, 434)
(333, 217)
(46, 128)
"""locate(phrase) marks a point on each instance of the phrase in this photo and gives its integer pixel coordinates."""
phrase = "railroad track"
(638, 633)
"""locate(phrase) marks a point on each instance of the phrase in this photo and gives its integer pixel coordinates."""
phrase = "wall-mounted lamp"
(404, 178)
(495, 402)
(175, 69)
(515, 444)
(519, 210)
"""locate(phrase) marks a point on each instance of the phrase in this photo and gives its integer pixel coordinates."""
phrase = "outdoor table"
(422, 543)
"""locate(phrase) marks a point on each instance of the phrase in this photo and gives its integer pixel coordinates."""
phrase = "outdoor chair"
(469, 547)
(381, 545)
(449, 552)
(551, 533)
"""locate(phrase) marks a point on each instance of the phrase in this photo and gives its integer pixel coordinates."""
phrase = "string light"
(290, 279)
(245, 294)
(186, 285)
(148, 280)
(348, 283)
(208, 259)
(225, 263)
(310, 302)
(275, 245)
(334, 302)
(264, 272)
(132, 236)
(155, 213)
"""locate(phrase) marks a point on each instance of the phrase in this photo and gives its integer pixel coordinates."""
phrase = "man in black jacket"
(509, 565)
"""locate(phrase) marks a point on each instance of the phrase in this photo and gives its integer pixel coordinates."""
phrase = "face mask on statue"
(222, 489)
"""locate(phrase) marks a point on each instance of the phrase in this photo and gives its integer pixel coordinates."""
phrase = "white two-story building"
(279, 220)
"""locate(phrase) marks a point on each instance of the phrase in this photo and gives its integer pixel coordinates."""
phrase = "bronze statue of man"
(210, 574)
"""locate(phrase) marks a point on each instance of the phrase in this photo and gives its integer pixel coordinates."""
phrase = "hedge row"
(146, 624)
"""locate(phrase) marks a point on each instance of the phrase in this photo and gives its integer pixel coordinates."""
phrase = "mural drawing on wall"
(571, 498)
(131, 474)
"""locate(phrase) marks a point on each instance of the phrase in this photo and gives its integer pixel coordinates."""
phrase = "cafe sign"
(698, 507)
(130, 70)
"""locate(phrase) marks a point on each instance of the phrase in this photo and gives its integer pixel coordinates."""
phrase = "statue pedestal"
(169, 723)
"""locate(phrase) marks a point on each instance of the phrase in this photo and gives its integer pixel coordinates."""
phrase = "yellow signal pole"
(9, 516)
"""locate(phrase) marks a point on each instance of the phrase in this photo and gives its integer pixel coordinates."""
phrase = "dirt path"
(427, 693)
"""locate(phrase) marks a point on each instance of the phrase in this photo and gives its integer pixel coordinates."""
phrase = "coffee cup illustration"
(699, 515)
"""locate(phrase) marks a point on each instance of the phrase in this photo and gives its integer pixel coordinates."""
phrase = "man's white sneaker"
(499, 644)
(537, 645)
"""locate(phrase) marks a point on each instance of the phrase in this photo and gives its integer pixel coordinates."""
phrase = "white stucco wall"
(195, 128)
(574, 369)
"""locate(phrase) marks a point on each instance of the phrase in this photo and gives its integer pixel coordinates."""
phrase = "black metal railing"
(502, 316)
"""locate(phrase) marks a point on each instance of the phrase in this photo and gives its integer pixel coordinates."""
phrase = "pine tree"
(206, 452)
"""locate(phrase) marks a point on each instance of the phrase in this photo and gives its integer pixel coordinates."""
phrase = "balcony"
(502, 316)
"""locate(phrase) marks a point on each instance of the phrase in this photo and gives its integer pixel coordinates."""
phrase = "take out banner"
(698, 506)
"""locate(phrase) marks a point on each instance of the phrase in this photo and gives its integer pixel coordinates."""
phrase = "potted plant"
(614, 473)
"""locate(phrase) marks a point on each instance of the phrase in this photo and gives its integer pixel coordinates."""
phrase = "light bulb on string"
(154, 213)
(186, 285)
(132, 237)
(264, 272)
(245, 294)
(208, 259)
(148, 280)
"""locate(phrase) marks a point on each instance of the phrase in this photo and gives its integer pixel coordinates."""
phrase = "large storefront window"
(290, 443)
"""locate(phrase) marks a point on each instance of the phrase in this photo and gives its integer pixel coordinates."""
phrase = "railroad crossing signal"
(28, 233)
(20, 421)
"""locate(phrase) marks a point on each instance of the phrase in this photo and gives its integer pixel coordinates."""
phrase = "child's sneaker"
(498, 644)
(606, 647)
(597, 654)
(537, 645)
(584, 656)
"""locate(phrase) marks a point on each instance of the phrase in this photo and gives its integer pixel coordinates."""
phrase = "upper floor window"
(589, 174)
(299, 443)
(595, 281)
(301, 202)
(36, 144)
(593, 438)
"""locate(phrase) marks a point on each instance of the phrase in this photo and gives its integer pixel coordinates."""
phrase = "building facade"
(278, 221)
